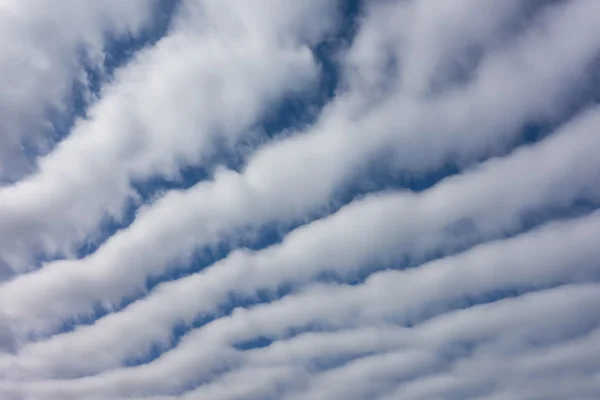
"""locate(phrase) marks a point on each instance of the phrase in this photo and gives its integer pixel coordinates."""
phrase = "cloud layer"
(275, 199)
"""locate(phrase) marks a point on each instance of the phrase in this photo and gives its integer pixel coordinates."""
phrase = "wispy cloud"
(427, 230)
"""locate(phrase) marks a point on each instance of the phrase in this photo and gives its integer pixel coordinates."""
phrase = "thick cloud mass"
(282, 199)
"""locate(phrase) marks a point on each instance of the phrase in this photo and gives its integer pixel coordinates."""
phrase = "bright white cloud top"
(280, 199)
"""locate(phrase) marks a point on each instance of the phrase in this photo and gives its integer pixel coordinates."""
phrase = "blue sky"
(271, 199)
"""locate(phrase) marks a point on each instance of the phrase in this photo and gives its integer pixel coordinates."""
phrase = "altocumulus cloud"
(281, 199)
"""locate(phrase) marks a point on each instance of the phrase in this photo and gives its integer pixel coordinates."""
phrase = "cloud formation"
(319, 199)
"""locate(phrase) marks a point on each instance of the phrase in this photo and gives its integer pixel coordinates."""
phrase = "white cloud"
(40, 61)
(271, 188)
(392, 225)
(333, 150)
(483, 285)
(495, 328)
(164, 110)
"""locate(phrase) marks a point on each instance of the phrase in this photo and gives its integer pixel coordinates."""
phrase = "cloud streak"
(425, 231)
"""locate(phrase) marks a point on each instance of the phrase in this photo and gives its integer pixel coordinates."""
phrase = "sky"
(316, 199)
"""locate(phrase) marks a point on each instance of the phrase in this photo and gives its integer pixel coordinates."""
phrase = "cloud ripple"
(275, 199)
